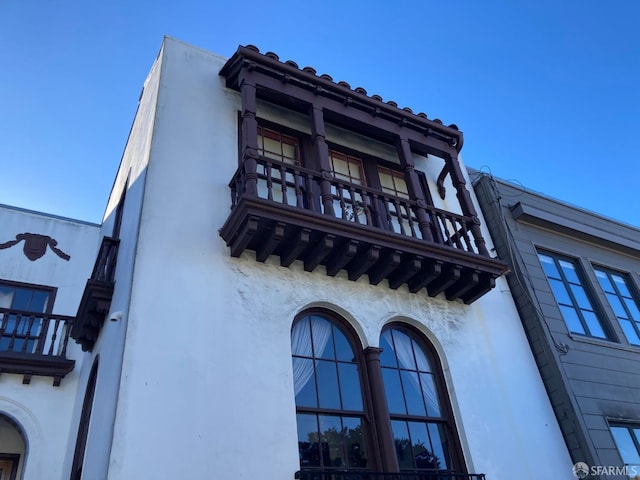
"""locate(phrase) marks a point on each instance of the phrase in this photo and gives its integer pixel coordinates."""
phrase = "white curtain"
(301, 345)
(404, 353)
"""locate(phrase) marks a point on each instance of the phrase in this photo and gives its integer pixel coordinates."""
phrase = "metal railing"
(299, 187)
(41, 334)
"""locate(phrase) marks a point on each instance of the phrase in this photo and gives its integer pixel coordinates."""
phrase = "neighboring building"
(44, 263)
(575, 279)
(297, 280)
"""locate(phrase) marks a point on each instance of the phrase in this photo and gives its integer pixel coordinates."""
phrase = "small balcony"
(363, 475)
(96, 299)
(298, 214)
(35, 344)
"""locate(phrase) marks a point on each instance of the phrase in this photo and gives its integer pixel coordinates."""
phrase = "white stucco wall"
(43, 412)
(206, 389)
(110, 345)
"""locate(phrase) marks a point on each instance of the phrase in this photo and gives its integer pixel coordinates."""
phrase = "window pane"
(343, 348)
(621, 284)
(355, 442)
(404, 350)
(387, 357)
(332, 441)
(430, 395)
(440, 446)
(39, 301)
(393, 391)
(605, 283)
(321, 331)
(630, 332)
(403, 444)
(304, 381)
(572, 320)
(616, 305)
(413, 393)
(569, 271)
(421, 358)
(329, 394)
(626, 447)
(422, 452)
(350, 386)
(580, 296)
(21, 299)
(308, 440)
(549, 266)
(633, 308)
(301, 338)
(560, 292)
(593, 324)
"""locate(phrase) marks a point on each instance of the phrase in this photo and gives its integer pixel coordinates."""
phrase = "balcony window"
(570, 291)
(33, 341)
(20, 329)
(623, 301)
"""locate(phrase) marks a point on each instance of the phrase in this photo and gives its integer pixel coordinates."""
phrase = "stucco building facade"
(292, 278)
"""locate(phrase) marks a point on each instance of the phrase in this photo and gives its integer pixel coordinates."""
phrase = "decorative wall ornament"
(35, 245)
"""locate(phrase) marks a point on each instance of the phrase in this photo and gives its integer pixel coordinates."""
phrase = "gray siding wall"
(590, 382)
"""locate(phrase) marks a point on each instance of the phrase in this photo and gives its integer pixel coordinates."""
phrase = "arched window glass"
(330, 411)
(419, 420)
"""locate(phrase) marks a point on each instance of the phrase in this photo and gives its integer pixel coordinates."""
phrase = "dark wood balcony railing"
(96, 299)
(35, 344)
(299, 214)
(361, 475)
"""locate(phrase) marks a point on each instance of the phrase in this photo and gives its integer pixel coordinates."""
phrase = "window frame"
(585, 284)
(367, 411)
(446, 418)
(445, 423)
(634, 296)
(37, 323)
(629, 426)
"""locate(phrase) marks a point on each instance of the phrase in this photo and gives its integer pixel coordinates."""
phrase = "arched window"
(328, 391)
(12, 449)
(83, 427)
(421, 421)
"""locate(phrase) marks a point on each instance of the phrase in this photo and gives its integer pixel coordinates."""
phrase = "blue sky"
(546, 92)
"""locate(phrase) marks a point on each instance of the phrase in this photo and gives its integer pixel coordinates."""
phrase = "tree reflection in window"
(417, 419)
(328, 395)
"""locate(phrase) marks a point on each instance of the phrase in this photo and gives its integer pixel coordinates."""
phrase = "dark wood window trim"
(372, 453)
(445, 419)
(33, 286)
(85, 418)
(377, 419)
(13, 460)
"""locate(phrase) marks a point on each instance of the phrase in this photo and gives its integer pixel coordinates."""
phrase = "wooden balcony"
(299, 214)
(96, 299)
(34, 344)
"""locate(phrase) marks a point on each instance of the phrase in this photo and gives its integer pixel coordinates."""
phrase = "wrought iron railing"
(40, 334)
(364, 475)
(298, 187)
